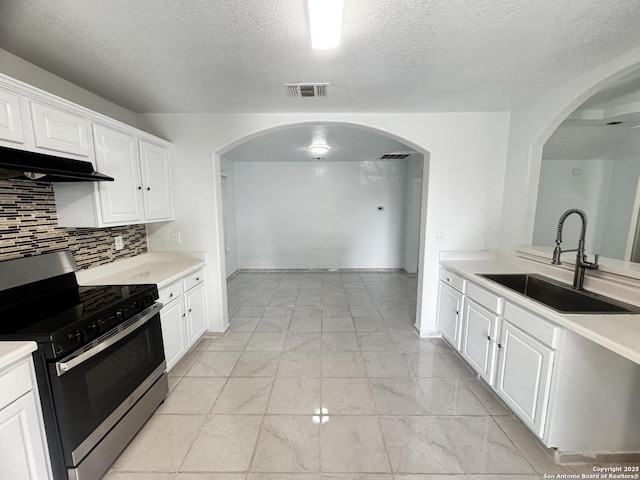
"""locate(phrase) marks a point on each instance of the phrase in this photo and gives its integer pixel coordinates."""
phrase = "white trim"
(635, 212)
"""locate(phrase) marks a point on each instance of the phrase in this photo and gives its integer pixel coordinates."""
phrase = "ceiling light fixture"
(319, 149)
(325, 19)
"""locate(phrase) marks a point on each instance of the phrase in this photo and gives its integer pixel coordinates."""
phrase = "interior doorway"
(357, 209)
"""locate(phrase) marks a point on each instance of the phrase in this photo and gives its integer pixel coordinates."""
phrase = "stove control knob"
(77, 337)
(147, 300)
(119, 315)
(93, 328)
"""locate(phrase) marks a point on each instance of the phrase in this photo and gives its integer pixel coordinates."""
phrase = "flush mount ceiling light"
(325, 19)
(319, 149)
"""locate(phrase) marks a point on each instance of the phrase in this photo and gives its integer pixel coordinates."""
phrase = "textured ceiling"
(291, 145)
(396, 56)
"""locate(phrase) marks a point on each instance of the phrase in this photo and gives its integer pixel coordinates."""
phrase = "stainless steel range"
(100, 360)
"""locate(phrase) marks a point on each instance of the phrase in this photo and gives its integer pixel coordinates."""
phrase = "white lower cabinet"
(183, 316)
(449, 313)
(174, 331)
(524, 376)
(479, 339)
(23, 448)
(196, 313)
(572, 393)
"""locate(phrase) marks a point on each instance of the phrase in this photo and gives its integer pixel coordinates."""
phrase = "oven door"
(93, 388)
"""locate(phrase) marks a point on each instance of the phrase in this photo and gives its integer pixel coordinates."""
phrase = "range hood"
(23, 165)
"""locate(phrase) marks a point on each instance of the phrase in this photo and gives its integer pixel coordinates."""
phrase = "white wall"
(231, 256)
(26, 72)
(413, 194)
(619, 207)
(560, 189)
(464, 183)
(532, 123)
(320, 214)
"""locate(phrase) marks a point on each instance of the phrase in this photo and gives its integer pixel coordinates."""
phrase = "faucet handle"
(591, 265)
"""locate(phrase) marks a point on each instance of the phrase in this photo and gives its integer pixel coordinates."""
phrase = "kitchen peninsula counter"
(619, 333)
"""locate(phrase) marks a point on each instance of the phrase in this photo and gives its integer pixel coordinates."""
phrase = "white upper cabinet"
(117, 156)
(37, 121)
(140, 192)
(11, 128)
(156, 177)
(59, 132)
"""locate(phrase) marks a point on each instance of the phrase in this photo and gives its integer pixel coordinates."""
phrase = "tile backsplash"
(29, 226)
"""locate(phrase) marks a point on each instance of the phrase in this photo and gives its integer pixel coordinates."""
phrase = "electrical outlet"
(439, 237)
(175, 237)
(119, 243)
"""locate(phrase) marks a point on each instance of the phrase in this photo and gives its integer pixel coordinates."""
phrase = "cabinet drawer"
(453, 280)
(14, 383)
(193, 279)
(170, 292)
(542, 330)
(485, 298)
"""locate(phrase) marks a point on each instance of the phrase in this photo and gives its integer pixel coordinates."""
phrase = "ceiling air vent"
(306, 89)
(394, 156)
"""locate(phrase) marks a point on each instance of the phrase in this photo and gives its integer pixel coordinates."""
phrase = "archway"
(535, 152)
(219, 153)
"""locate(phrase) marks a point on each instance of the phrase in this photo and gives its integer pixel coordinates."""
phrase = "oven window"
(105, 380)
(87, 394)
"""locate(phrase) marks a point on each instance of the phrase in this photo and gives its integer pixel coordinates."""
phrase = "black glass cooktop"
(42, 310)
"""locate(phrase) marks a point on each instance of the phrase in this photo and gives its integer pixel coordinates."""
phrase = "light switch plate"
(175, 237)
(119, 243)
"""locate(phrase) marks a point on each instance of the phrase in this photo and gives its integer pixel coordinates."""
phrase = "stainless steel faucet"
(581, 258)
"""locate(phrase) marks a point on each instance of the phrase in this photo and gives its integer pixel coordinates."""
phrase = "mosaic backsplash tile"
(29, 226)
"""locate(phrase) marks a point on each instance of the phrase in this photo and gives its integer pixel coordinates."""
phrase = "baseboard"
(322, 270)
(566, 458)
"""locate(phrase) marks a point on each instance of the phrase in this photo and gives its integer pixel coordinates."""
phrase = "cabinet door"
(196, 313)
(156, 182)
(524, 376)
(23, 454)
(478, 339)
(11, 128)
(174, 331)
(61, 131)
(117, 156)
(449, 314)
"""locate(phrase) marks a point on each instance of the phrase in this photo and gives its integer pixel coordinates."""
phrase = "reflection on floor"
(322, 377)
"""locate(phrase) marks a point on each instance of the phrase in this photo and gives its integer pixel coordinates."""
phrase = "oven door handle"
(112, 337)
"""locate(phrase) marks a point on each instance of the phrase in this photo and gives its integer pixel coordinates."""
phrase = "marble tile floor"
(321, 377)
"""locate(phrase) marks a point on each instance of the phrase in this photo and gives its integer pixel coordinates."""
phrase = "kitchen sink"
(559, 296)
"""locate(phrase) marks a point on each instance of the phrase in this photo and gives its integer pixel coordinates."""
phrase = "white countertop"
(156, 267)
(13, 351)
(619, 333)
